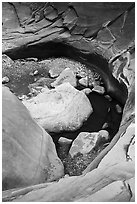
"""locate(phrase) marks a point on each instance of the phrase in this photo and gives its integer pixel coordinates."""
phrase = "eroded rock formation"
(101, 36)
(28, 152)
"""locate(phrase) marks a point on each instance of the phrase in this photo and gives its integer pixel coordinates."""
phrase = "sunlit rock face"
(61, 109)
(85, 142)
(28, 152)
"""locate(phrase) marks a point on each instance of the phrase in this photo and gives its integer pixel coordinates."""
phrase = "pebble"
(66, 176)
(30, 94)
(108, 97)
(105, 125)
(34, 73)
(109, 109)
(118, 108)
(5, 80)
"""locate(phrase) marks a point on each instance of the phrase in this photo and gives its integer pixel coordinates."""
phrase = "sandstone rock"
(99, 89)
(114, 192)
(28, 154)
(84, 81)
(85, 142)
(66, 75)
(5, 80)
(59, 109)
(119, 152)
(75, 188)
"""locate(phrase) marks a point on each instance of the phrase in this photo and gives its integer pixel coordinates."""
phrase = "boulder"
(66, 75)
(28, 152)
(85, 142)
(61, 109)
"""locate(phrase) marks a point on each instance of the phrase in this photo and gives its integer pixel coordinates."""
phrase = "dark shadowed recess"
(100, 105)
(54, 49)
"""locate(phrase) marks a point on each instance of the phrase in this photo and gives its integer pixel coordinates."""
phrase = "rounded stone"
(5, 80)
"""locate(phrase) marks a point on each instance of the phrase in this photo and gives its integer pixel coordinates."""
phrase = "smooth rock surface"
(114, 192)
(67, 75)
(77, 187)
(84, 81)
(28, 152)
(62, 108)
(85, 142)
